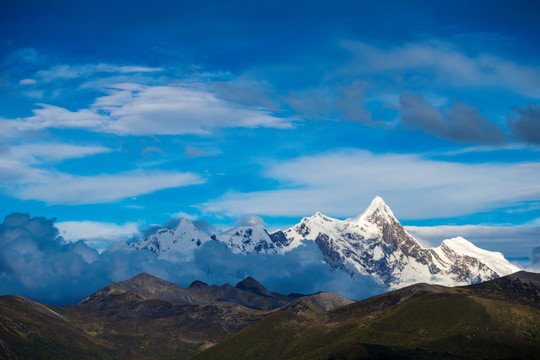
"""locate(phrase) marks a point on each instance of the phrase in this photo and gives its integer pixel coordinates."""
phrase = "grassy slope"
(493, 320)
(135, 329)
(454, 323)
(29, 330)
(154, 329)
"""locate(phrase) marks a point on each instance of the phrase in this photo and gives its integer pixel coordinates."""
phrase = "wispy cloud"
(20, 164)
(48, 116)
(342, 184)
(27, 82)
(526, 123)
(60, 188)
(133, 109)
(443, 62)
(193, 152)
(151, 150)
(143, 110)
(98, 235)
(72, 71)
(461, 123)
(52, 152)
(23, 175)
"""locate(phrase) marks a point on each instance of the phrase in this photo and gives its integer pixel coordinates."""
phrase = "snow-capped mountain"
(376, 244)
(178, 244)
(373, 243)
(253, 238)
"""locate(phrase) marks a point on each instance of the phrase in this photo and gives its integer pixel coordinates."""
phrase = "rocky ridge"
(373, 243)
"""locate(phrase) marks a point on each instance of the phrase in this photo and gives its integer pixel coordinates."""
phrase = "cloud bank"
(36, 262)
(98, 235)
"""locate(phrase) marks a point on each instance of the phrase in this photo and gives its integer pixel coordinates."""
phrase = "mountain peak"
(319, 215)
(376, 210)
(142, 277)
(377, 201)
(184, 223)
(144, 280)
(251, 285)
(198, 285)
(378, 205)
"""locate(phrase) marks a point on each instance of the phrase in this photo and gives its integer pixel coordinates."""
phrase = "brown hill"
(499, 319)
(143, 317)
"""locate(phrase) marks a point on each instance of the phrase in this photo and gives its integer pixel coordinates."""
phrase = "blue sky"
(114, 117)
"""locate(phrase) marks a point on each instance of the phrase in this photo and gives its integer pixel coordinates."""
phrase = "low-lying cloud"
(36, 262)
(98, 235)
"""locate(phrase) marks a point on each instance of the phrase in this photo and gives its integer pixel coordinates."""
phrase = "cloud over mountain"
(36, 262)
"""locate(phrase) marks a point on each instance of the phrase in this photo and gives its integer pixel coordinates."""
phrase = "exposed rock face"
(320, 302)
(248, 293)
(420, 321)
(373, 243)
(522, 286)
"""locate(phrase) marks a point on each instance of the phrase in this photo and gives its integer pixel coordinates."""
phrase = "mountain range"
(497, 319)
(148, 318)
(373, 244)
(143, 317)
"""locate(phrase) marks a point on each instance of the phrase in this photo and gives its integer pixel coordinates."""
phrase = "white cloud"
(132, 109)
(96, 234)
(52, 152)
(151, 150)
(250, 220)
(59, 188)
(77, 71)
(182, 214)
(193, 152)
(448, 64)
(143, 110)
(17, 163)
(27, 82)
(12, 170)
(49, 116)
(343, 183)
(22, 175)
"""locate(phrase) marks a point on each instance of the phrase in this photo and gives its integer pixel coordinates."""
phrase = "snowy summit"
(373, 243)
